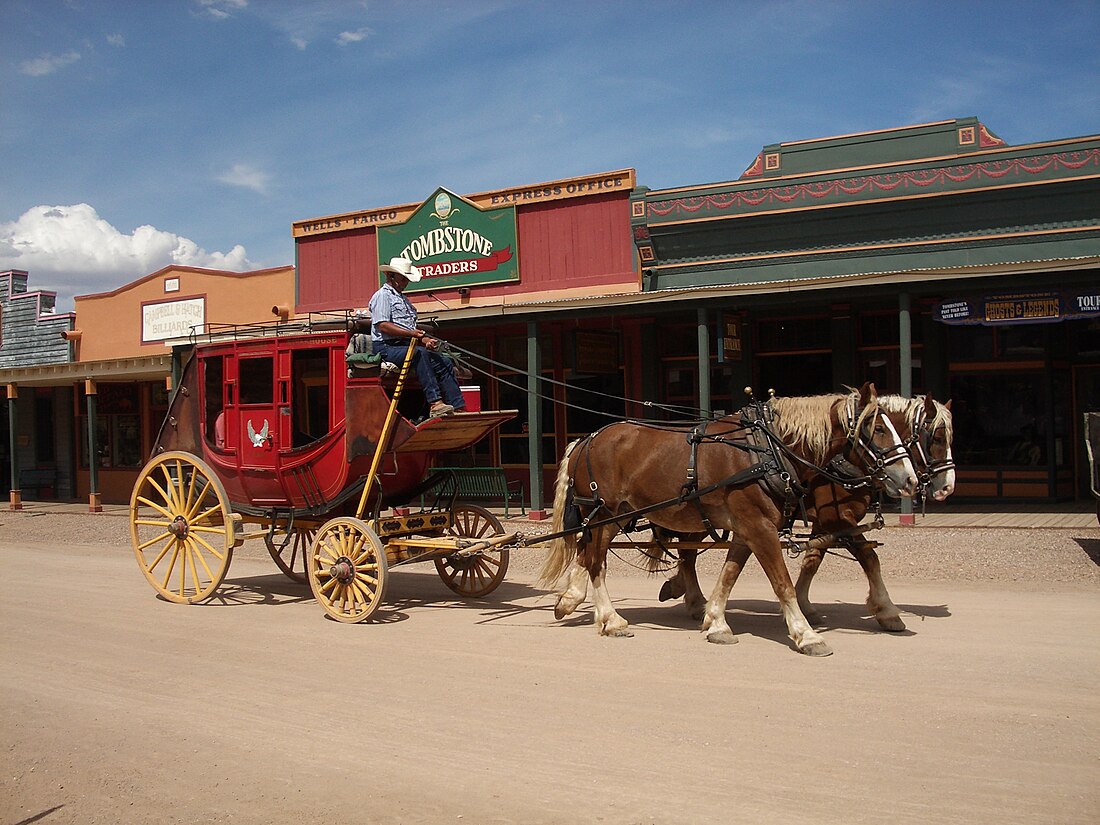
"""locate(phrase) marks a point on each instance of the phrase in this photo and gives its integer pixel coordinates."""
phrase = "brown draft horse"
(925, 427)
(627, 467)
(928, 432)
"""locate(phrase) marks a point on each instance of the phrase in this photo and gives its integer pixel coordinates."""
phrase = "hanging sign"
(729, 338)
(454, 243)
(1019, 308)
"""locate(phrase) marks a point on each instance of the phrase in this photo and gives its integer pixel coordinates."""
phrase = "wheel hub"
(343, 570)
(179, 528)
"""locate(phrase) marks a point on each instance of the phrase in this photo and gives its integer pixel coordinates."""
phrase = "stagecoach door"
(262, 418)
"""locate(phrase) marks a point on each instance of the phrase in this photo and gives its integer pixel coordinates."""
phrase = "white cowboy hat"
(402, 266)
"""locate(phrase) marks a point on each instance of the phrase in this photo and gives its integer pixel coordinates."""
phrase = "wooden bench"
(488, 485)
(41, 481)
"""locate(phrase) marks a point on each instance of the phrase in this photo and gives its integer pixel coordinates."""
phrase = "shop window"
(514, 449)
(804, 373)
(593, 402)
(678, 341)
(118, 427)
(1001, 419)
(1026, 342)
(158, 410)
(791, 334)
(43, 428)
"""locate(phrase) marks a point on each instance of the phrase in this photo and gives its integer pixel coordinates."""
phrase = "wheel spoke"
(164, 535)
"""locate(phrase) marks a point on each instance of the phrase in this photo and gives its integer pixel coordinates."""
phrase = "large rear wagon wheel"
(477, 575)
(182, 528)
(292, 557)
(347, 569)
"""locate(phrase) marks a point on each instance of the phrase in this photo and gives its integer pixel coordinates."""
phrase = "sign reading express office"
(454, 243)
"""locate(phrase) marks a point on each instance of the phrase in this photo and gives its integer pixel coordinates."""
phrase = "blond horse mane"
(908, 406)
(799, 421)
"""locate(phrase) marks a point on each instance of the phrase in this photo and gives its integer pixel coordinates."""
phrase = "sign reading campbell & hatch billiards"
(454, 243)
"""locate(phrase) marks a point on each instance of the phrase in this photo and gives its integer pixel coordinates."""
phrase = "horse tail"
(655, 560)
(563, 549)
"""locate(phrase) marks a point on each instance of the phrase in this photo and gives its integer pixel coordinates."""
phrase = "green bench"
(487, 485)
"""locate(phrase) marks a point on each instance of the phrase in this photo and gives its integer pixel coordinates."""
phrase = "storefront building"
(933, 258)
(109, 362)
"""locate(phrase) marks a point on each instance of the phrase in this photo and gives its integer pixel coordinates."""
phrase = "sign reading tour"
(454, 243)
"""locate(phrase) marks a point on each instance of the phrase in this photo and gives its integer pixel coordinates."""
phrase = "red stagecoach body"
(279, 417)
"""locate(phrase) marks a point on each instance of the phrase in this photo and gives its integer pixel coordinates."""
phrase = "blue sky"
(137, 134)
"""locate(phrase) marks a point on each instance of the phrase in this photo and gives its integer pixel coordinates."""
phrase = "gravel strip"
(1036, 558)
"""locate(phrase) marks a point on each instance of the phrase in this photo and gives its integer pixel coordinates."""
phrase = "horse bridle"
(875, 459)
(919, 444)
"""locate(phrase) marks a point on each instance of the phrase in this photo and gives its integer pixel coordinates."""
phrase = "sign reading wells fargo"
(454, 243)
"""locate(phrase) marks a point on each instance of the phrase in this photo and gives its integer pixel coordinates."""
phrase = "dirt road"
(121, 708)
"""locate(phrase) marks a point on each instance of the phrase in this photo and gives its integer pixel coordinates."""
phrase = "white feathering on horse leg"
(608, 622)
(575, 590)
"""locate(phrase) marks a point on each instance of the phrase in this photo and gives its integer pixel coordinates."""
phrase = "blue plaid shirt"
(388, 304)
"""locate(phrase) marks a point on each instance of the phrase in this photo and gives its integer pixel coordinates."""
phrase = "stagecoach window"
(310, 400)
(257, 382)
(213, 389)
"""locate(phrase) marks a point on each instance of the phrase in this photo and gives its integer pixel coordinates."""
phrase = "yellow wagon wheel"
(476, 575)
(291, 557)
(182, 528)
(347, 569)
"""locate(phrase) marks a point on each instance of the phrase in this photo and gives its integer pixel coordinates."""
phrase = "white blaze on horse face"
(943, 484)
(900, 474)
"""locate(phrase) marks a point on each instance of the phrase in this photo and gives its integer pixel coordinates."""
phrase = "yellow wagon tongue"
(387, 427)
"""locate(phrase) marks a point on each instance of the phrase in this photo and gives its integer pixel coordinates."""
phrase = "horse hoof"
(561, 610)
(816, 649)
(618, 632)
(894, 624)
(726, 637)
(670, 590)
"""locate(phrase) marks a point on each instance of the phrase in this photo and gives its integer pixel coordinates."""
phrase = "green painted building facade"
(935, 258)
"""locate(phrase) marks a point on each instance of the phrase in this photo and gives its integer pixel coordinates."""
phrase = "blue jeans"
(435, 373)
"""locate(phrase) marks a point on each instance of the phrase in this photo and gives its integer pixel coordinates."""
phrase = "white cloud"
(116, 40)
(354, 37)
(247, 177)
(72, 250)
(220, 9)
(48, 63)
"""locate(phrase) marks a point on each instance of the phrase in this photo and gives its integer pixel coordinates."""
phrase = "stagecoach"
(293, 433)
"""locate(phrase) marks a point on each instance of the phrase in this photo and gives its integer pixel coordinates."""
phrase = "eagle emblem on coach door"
(258, 438)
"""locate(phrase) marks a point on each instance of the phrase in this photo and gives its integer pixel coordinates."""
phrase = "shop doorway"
(1086, 398)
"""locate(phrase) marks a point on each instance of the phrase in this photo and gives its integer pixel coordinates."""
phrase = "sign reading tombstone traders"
(454, 243)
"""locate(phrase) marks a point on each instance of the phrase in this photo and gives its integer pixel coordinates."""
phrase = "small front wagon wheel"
(347, 569)
(477, 575)
(182, 528)
(290, 554)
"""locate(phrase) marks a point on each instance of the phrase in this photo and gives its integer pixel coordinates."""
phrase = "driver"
(393, 323)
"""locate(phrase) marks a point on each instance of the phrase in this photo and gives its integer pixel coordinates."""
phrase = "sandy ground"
(118, 707)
